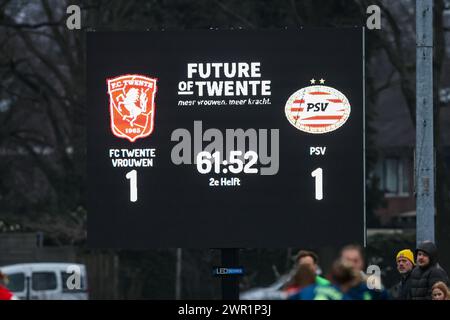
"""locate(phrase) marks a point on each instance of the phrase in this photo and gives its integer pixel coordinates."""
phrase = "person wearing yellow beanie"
(405, 264)
(407, 254)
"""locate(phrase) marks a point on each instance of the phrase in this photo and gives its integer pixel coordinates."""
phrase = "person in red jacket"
(5, 294)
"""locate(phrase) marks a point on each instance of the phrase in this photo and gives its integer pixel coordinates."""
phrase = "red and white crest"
(317, 109)
(132, 106)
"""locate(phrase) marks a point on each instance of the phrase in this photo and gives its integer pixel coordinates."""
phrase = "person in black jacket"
(427, 272)
(405, 265)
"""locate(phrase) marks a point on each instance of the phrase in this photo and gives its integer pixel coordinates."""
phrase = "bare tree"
(43, 134)
(397, 40)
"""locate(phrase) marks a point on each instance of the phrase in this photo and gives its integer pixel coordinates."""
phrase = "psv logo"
(132, 106)
(317, 109)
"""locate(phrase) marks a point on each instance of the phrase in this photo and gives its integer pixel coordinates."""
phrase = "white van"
(47, 281)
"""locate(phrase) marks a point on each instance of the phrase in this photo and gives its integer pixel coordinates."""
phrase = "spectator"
(405, 264)
(310, 258)
(304, 276)
(342, 277)
(440, 291)
(5, 294)
(353, 256)
(427, 272)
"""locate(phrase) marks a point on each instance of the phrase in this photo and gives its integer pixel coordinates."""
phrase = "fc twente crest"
(132, 106)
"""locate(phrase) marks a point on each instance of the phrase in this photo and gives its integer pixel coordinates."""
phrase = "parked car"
(47, 281)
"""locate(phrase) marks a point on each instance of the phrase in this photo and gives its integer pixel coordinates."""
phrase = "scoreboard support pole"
(230, 283)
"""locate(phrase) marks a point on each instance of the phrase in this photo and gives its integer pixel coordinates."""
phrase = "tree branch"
(59, 39)
(234, 14)
(384, 86)
(45, 60)
(29, 25)
(294, 9)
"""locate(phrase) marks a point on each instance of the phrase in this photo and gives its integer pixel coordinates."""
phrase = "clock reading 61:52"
(207, 162)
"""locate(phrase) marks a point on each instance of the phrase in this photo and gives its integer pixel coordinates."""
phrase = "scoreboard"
(225, 139)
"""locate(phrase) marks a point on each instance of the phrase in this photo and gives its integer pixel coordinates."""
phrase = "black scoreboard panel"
(225, 139)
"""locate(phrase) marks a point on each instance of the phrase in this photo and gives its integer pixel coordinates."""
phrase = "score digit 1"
(132, 176)
(318, 175)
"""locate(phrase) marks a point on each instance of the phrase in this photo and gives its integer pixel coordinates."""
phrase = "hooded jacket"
(422, 279)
